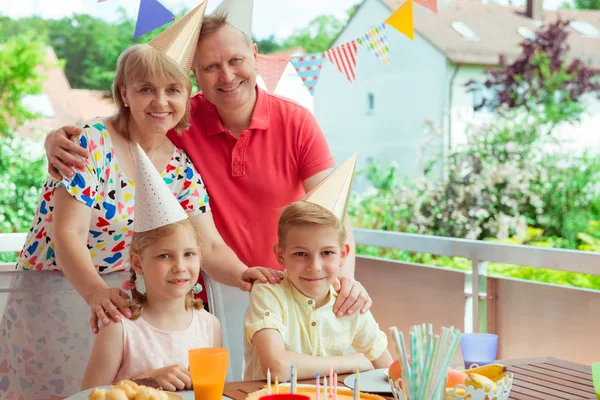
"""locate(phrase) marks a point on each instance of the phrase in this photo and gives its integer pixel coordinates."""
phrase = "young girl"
(166, 321)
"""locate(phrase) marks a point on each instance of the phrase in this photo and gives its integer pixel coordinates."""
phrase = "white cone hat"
(180, 39)
(333, 192)
(239, 14)
(155, 204)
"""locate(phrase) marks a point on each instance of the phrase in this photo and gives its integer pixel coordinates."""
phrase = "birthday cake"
(311, 391)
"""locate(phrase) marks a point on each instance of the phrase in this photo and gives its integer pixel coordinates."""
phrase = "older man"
(256, 152)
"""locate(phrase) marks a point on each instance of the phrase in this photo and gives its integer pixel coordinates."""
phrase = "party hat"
(180, 39)
(239, 14)
(155, 204)
(333, 192)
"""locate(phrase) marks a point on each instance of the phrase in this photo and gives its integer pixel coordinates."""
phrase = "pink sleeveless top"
(146, 348)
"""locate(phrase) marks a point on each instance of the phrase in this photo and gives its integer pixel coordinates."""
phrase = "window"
(484, 99)
(464, 30)
(370, 104)
(585, 28)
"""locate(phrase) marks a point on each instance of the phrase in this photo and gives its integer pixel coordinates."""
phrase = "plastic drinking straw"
(414, 375)
(438, 362)
(596, 378)
(407, 373)
(318, 385)
(431, 358)
(449, 355)
(401, 355)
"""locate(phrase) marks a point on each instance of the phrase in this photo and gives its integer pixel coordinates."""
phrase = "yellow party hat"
(333, 192)
(180, 39)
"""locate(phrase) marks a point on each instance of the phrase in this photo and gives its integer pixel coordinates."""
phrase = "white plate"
(186, 395)
(374, 381)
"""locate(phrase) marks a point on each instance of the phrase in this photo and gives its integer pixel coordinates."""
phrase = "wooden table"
(544, 378)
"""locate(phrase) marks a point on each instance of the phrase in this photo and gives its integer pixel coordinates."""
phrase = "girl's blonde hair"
(143, 62)
(307, 213)
(143, 240)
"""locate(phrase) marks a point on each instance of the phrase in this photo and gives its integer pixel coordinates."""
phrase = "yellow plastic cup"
(208, 368)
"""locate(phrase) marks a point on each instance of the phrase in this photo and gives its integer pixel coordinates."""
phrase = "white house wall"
(412, 89)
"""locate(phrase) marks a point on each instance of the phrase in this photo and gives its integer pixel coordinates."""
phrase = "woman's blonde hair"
(143, 240)
(143, 62)
(307, 213)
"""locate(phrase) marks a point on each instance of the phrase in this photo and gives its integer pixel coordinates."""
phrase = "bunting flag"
(402, 19)
(308, 68)
(344, 58)
(430, 4)
(151, 15)
(376, 42)
(270, 69)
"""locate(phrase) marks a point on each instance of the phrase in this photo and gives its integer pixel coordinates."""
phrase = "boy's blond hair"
(143, 62)
(306, 213)
(143, 240)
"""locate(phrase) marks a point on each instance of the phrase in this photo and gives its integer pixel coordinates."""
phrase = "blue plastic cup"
(478, 348)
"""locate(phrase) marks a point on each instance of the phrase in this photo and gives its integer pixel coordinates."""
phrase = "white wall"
(413, 88)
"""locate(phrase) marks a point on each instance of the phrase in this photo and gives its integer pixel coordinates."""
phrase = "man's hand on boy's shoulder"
(352, 296)
(260, 274)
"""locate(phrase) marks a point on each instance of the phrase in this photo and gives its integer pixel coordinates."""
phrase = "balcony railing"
(532, 319)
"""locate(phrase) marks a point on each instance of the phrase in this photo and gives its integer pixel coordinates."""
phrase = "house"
(290, 85)
(382, 114)
(59, 104)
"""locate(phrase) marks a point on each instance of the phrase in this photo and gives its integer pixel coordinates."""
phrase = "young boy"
(293, 323)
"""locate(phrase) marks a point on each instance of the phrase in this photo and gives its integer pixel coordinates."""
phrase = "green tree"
(586, 4)
(21, 56)
(317, 35)
(21, 174)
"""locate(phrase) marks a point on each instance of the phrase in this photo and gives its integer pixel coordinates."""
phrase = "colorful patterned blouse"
(110, 195)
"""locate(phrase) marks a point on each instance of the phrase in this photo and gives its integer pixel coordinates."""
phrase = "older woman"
(83, 226)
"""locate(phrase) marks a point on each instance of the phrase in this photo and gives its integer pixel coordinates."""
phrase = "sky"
(271, 17)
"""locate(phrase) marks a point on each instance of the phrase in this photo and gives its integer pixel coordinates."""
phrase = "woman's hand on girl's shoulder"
(108, 303)
(171, 378)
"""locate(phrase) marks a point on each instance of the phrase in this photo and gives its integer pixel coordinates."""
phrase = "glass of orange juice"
(208, 369)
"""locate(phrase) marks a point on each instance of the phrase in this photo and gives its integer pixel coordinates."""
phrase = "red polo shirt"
(251, 179)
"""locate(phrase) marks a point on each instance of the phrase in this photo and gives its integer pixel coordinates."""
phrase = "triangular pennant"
(376, 42)
(402, 19)
(180, 39)
(270, 69)
(431, 4)
(308, 68)
(344, 58)
(151, 15)
(333, 192)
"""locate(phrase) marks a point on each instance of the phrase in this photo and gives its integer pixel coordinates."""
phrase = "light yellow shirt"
(306, 329)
